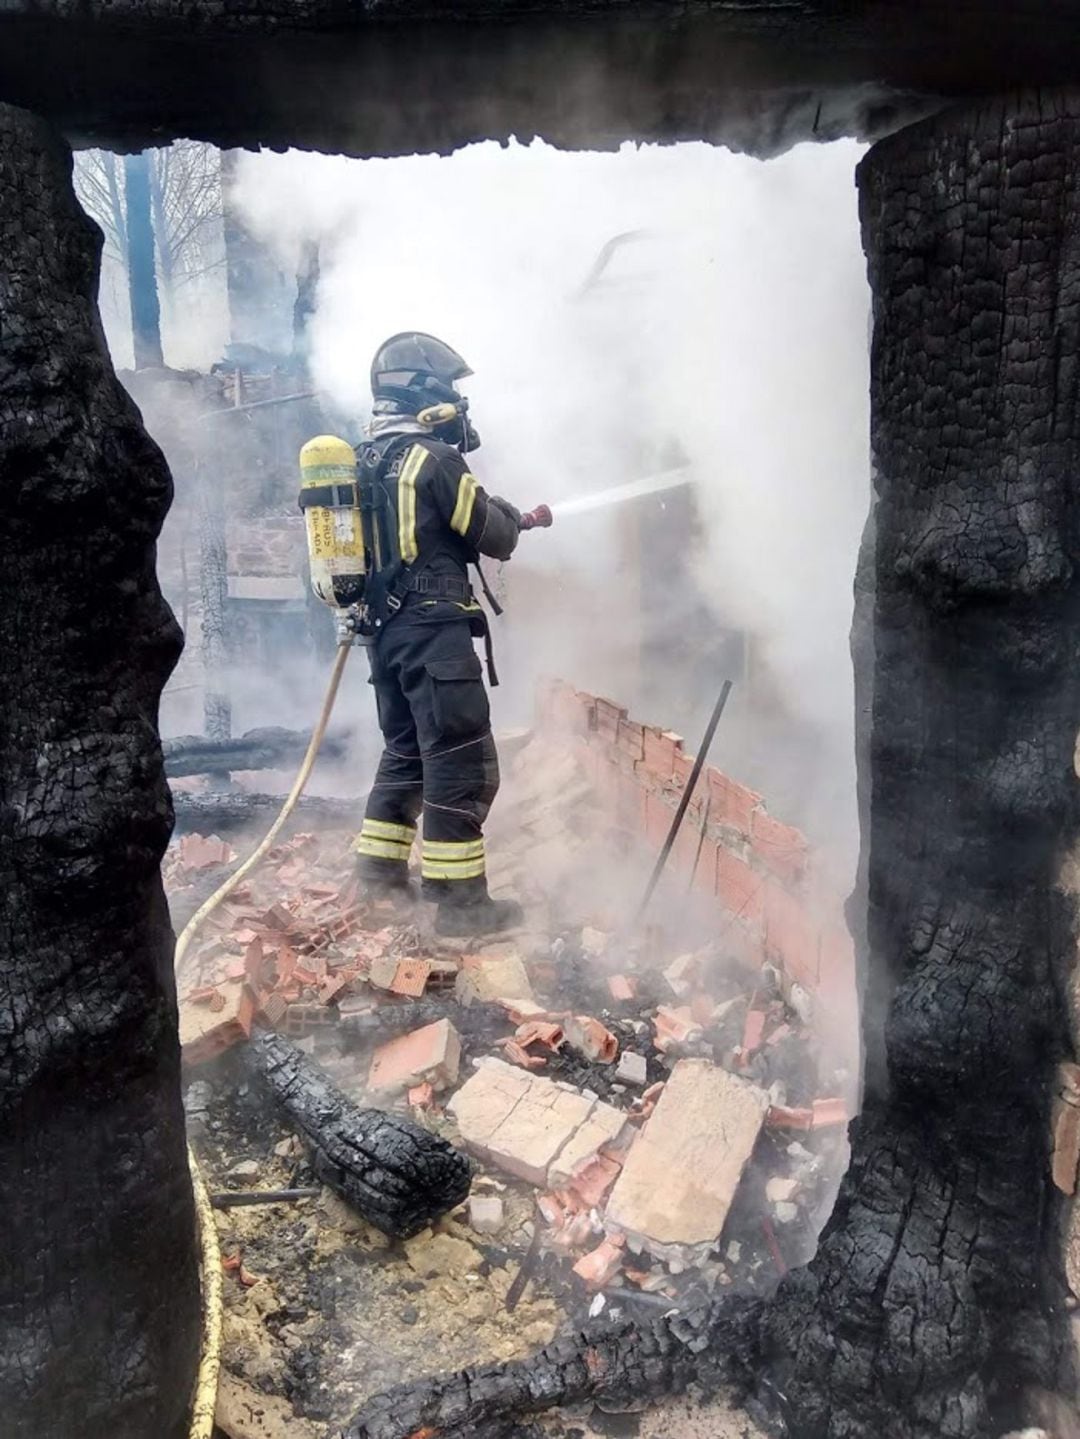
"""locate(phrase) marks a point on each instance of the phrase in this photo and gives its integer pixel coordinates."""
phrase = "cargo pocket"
(458, 698)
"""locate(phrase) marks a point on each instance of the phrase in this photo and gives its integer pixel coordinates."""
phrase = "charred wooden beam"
(264, 748)
(396, 1175)
(617, 1365)
(227, 813)
(99, 1297)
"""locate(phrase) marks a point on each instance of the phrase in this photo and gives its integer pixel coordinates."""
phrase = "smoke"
(727, 331)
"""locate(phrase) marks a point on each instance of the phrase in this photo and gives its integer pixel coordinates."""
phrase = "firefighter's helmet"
(417, 371)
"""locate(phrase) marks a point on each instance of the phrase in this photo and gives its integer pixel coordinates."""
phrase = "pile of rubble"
(668, 1120)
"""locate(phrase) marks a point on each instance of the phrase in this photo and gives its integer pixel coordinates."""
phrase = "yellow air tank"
(330, 502)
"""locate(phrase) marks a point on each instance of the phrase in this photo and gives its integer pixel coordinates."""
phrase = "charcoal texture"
(757, 76)
(99, 1305)
(270, 747)
(617, 1365)
(396, 1175)
(230, 813)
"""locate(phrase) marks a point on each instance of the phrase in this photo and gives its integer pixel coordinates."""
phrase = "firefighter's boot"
(461, 918)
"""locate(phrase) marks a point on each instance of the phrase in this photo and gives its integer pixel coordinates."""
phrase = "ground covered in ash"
(322, 1310)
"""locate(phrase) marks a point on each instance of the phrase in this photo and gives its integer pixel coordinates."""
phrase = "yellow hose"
(202, 1418)
(202, 1414)
(304, 772)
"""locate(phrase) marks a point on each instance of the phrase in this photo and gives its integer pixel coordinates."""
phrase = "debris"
(206, 1032)
(683, 973)
(621, 988)
(591, 1038)
(231, 1199)
(524, 1122)
(828, 1112)
(421, 1096)
(395, 1174)
(779, 1190)
(430, 1255)
(242, 1412)
(680, 1177)
(633, 1068)
(430, 1055)
(490, 977)
(410, 978)
(486, 1213)
(246, 1169)
(786, 1213)
(594, 942)
(674, 1028)
(600, 1267)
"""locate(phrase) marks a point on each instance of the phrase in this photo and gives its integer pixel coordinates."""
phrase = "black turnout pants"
(439, 758)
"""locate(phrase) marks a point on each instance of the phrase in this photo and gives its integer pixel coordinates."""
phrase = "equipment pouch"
(458, 697)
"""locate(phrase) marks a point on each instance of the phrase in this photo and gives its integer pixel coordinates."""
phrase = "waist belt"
(448, 587)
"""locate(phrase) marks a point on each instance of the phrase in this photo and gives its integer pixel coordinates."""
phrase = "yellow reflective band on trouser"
(466, 498)
(453, 859)
(414, 463)
(379, 839)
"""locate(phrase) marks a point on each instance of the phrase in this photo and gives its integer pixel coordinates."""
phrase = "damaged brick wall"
(777, 905)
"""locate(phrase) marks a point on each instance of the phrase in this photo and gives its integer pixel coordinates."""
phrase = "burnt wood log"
(99, 1303)
(396, 1175)
(268, 747)
(615, 1365)
(227, 813)
(935, 1307)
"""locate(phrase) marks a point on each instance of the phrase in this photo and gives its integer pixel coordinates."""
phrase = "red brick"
(782, 849)
(601, 1266)
(791, 940)
(630, 740)
(622, 988)
(1066, 1138)
(707, 861)
(682, 764)
(658, 760)
(732, 804)
(608, 716)
(631, 802)
(204, 1033)
(829, 1112)
(740, 890)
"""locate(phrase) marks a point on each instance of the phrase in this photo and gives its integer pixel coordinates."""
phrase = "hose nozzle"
(539, 519)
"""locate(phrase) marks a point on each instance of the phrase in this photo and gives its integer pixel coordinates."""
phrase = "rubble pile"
(648, 1120)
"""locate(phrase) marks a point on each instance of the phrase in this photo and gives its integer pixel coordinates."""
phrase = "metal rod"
(526, 1269)
(688, 794)
(258, 405)
(241, 1199)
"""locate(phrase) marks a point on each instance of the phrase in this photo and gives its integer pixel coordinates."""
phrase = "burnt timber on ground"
(98, 1332)
(270, 747)
(398, 1176)
(391, 77)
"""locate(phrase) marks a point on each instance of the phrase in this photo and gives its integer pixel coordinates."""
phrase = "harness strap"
(323, 495)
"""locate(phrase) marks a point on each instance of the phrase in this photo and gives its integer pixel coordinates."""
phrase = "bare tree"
(185, 205)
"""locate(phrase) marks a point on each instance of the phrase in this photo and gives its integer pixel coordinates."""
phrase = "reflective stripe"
(414, 463)
(460, 869)
(383, 829)
(382, 848)
(453, 849)
(466, 498)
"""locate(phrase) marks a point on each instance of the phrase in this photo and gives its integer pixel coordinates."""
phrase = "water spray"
(617, 494)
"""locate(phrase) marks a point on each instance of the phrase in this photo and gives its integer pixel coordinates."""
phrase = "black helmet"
(416, 371)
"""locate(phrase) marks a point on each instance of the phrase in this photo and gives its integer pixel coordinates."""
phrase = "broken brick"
(1065, 1161)
(828, 1112)
(410, 978)
(674, 1027)
(205, 1033)
(780, 1116)
(421, 1096)
(593, 1040)
(432, 1054)
(621, 988)
(600, 1267)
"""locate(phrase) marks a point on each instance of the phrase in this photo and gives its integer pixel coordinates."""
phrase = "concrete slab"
(680, 1177)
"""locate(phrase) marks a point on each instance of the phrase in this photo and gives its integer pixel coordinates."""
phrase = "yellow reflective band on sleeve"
(453, 849)
(454, 869)
(382, 848)
(466, 498)
(414, 463)
(383, 829)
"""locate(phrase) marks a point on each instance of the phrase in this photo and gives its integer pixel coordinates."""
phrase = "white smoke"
(735, 322)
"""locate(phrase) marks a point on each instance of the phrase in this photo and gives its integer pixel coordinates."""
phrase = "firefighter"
(432, 523)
